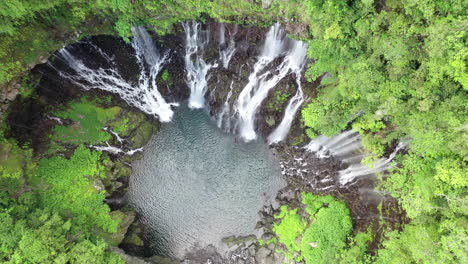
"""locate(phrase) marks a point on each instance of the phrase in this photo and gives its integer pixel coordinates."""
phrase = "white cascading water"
(58, 120)
(356, 170)
(115, 150)
(197, 69)
(146, 51)
(280, 133)
(347, 147)
(276, 44)
(117, 136)
(224, 117)
(226, 48)
(343, 145)
(145, 96)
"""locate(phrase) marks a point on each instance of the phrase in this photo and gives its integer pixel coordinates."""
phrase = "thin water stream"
(197, 184)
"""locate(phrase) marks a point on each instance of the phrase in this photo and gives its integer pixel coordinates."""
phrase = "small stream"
(196, 184)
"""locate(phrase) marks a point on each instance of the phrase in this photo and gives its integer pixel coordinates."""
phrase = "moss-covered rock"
(125, 219)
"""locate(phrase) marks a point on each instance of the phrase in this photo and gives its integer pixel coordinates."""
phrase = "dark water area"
(196, 184)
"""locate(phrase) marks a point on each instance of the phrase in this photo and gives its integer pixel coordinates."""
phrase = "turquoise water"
(196, 184)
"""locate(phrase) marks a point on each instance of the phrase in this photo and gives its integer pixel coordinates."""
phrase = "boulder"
(261, 255)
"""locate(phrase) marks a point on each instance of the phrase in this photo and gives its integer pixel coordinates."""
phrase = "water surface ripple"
(196, 184)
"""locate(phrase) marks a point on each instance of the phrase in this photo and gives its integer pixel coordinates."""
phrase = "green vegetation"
(50, 212)
(402, 64)
(319, 233)
(30, 30)
(165, 76)
(15, 164)
(279, 98)
(39, 236)
(71, 189)
(51, 204)
(290, 228)
(396, 68)
(88, 122)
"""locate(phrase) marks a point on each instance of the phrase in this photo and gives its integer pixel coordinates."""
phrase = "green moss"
(28, 85)
(143, 134)
(165, 76)
(124, 219)
(273, 240)
(89, 119)
(279, 98)
(16, 164)
(122, 126)
(122, 170)
(134, 239)
(10, 161)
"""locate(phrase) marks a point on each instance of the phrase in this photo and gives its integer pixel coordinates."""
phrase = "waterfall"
(280, 133)
(342, 146)
(356, 170)
(222, 122)
(115, 150)
(58, 120)
(145, 95)
(260, 83)
(146, 50)
(115, 134)
(347, 147)
(196, 71)
(226, 49)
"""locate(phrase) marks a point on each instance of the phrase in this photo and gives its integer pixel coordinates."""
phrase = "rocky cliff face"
(230, 50)
(107, 52)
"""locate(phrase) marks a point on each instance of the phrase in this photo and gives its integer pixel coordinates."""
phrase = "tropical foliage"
(319, 233)
(397, 69)
(394, 69)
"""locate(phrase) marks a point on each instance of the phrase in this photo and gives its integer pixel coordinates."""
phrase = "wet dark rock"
(161, 260)
(134, 242)
(115, 203)
(267, 236)
(128, 258)
(305, 172)
(202, 256)
(236, 240)
(261, 255)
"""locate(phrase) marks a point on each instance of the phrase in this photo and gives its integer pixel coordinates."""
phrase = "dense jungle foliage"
(393, 70)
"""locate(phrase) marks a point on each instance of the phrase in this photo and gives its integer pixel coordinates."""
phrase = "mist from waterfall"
(145, 48)
(356, 170)
(343, 145)
(261, 82)
(347, 147)
(196, 68)
(145, 95)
